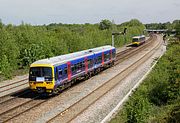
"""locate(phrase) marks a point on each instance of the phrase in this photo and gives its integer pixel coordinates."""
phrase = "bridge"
(156, 30)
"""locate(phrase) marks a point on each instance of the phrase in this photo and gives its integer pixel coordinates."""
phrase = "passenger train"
(138, 40)
(52, 75)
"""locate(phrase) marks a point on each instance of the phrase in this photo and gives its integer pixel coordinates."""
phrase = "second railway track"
(80, 106)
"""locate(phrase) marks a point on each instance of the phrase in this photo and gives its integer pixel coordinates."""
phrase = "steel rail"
(80, 106)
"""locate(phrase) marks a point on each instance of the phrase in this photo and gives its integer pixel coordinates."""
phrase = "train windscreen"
(40, 74)
(135, 40)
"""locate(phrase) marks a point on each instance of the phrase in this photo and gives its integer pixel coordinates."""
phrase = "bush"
(25, 43)
(5, 67)
(137, 109)
(157, 99)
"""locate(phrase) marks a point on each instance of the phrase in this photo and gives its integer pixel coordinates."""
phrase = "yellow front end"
(136, 43)
(44, 85)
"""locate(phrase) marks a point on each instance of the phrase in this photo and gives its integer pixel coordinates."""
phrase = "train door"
(86, 64)
(64, 69)
(69, 70)
(102, 58)
(111, 55)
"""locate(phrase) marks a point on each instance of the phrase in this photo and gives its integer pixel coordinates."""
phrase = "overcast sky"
(87, 11)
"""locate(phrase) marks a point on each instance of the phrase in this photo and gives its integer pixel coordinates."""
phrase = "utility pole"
(124, 33)
(112, 40)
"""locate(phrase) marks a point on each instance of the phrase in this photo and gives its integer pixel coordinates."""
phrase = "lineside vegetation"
(21, 45)
(157, 100)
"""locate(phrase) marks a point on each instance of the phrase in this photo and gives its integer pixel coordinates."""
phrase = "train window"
(83, 64)
(90, 62)
(80, 65)
(96, 60)
(109, 55)
(106, 57)
(60, 71)
(99, 59)
(65, 70)
(113, 54)
(135, 40)
(72, 68)
(75, 67)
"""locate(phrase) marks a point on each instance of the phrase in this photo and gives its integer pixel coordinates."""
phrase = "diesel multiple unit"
(54, 74)
(138, 40)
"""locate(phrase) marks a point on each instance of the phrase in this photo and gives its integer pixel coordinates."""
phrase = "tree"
(105, 24)
(5, 67)
(177, 28)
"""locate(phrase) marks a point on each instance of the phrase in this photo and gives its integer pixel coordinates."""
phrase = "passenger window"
(83, 64)
(60, 72)
(78, 66)
(75, 67)
(72, 68)
(113, 54)
(65, 70)
(99, 59)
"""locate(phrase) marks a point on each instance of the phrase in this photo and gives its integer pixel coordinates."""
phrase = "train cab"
(41, 78)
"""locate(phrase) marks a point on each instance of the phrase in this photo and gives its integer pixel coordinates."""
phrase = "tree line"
(25, 43)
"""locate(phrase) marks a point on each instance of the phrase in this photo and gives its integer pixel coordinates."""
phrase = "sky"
(38, 12)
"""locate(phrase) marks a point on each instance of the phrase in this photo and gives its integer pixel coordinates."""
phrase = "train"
(54, 74)
(138, 40)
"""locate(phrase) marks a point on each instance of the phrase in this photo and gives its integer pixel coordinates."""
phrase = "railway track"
(133, 50)
(8, 98)
(128, 51)
(28, 103)
(80, 106)
(24, 105)
(14, 83)
(9, 89)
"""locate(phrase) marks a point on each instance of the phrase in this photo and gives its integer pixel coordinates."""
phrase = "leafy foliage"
(157, 99)
(24, 44)
(137, 109)
(5, 66)
(105, 24)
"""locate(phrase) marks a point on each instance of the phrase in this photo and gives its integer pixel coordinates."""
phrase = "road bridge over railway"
(156, 30)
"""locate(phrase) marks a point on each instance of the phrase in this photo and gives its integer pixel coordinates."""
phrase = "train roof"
(141, 36)
(68, 57)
